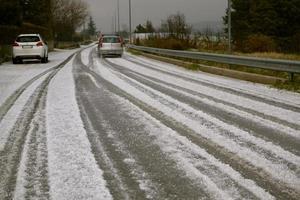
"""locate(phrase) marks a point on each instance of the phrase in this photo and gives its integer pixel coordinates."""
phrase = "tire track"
(261, 131)
(281, 191)
(261, 113)
(29, 126)
(32, 180)
(218, 87)
(139, 171)
(4, 108)
(118, 176)
(250, 142)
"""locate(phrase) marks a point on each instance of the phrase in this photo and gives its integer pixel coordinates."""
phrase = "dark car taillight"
(40, 44)
(120, 40)
(15, 44)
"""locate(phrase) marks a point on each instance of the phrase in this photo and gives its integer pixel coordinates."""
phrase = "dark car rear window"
(111, 40)
(28, 39)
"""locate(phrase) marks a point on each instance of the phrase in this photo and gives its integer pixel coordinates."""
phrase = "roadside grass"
(71, 45)
(134, 52)
(87, 42)
(66, 45)
(272, 55)
(291, 86)
(235, 67)
(286, 85)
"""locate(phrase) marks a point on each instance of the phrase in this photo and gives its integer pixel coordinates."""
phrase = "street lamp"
(130, 21)
(119, 16)
(229, 26)
(116, 22)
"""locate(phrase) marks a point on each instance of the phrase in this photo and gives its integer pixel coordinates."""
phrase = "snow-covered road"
(82, 127)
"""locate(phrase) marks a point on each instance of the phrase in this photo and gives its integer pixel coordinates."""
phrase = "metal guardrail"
(274, 64)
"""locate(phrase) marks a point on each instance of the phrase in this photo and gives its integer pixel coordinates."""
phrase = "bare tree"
(176, 26)
(68, 15)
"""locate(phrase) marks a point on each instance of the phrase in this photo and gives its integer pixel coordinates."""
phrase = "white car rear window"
(28, 39)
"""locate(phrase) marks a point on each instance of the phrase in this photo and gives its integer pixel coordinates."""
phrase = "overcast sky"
(155, 10)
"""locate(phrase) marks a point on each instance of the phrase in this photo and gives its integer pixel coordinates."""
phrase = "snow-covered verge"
(243, 86)
(13, 76)
(73, 170)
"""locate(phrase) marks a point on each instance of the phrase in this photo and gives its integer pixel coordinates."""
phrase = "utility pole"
(130, 21)
(112, 24)
(229, 27)
(115, 22)
(118, 16)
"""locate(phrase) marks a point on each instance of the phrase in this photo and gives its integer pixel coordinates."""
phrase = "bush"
(166, 43)
(31, 28)
(9, 33)
(87, 42)
(291, 44)
(259, 43)
(137, 41)
(5, 53)
(66, 45)
(77, 38)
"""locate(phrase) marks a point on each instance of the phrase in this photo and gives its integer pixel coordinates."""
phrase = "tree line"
(175, 26)
(173, 33)
(266, 25)
(61, 18)
(257, 26)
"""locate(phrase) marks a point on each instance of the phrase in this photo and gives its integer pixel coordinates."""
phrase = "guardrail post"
(291, 76)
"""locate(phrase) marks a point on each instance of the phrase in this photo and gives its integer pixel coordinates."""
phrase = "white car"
(29, 46)
(110, 45)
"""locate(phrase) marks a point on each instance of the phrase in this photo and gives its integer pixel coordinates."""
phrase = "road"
(135, 128)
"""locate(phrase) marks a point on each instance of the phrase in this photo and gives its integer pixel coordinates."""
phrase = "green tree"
(37, 12)
(10, 12)
(149, 27)
(91, 27)
(140, 29)
(277, 19)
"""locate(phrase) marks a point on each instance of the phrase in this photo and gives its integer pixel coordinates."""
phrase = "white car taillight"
(39, 44)
(15, 44)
